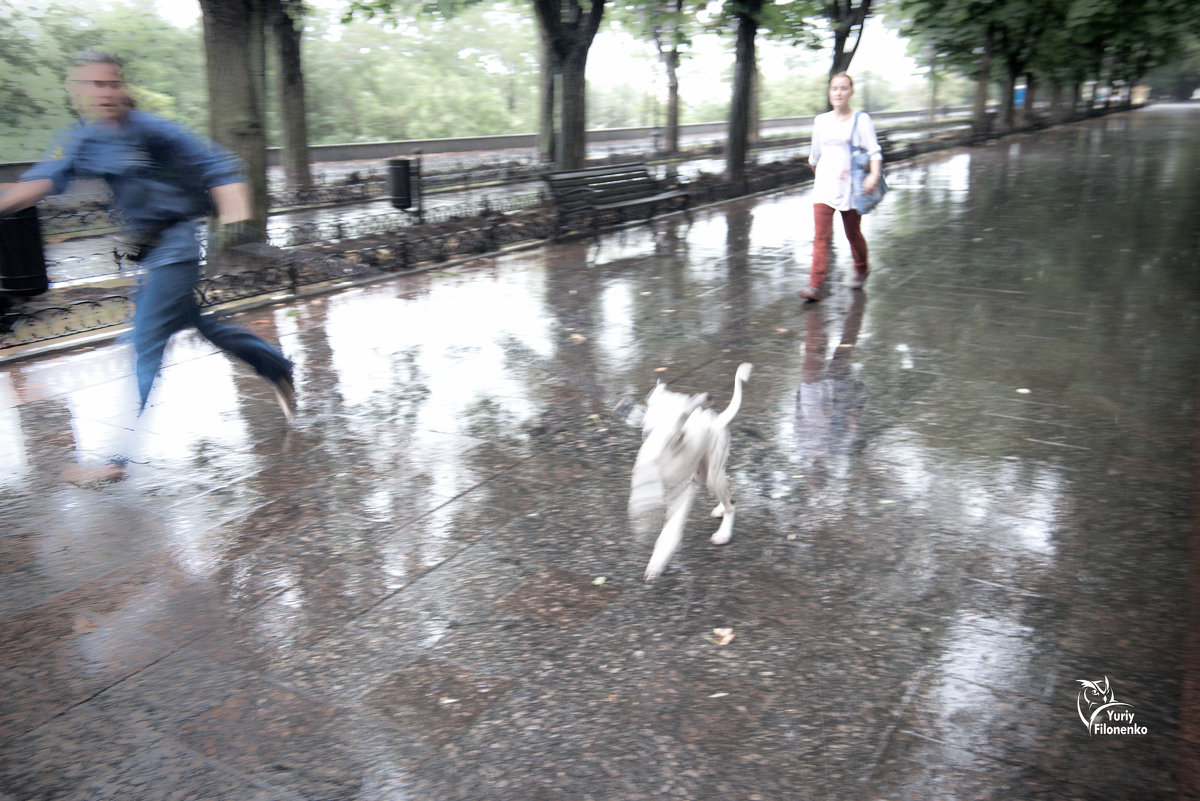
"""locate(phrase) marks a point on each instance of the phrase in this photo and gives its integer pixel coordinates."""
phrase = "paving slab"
(961, 493)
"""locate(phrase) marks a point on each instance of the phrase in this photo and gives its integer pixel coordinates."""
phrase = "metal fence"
(100, 297)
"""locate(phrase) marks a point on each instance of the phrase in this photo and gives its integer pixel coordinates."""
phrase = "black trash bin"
(22, 257)
(400, 183)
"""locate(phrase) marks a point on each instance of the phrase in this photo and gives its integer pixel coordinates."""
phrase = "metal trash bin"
(22, 255)
(400, 183)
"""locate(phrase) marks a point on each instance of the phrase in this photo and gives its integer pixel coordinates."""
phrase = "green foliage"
(1179, 77)
(622, 106)
(797, 22)
(393, 10)
(793, 94)
(31, 86)
(163, 64)
(472, 74)
(1064, 41)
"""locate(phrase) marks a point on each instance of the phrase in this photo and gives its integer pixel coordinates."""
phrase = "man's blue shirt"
(159, 173)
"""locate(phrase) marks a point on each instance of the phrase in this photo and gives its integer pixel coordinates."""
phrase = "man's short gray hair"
(92, 56)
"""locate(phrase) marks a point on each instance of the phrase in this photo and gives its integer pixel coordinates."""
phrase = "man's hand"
(22, 195)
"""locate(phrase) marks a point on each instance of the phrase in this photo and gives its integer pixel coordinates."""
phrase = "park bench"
(612, 194)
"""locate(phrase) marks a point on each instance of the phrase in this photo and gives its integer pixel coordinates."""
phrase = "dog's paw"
(719, 511)
(725, 532)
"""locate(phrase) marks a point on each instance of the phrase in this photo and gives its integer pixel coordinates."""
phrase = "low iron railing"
(103, 299)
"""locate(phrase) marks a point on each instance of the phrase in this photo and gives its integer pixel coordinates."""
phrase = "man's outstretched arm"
(233, 202)
(15, 197)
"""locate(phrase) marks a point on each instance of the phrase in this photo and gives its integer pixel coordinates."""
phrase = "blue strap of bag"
(853, 131)
(873, 198)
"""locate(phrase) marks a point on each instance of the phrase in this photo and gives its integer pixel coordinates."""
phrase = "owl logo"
(1094, 694)
(1096, 702)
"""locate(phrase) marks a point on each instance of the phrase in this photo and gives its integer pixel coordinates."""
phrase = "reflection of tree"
(249, 395)
(572, 295)
(739, 222)
(46, 429)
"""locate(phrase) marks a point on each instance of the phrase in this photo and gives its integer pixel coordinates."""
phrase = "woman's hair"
(86, 57)
(845, 75)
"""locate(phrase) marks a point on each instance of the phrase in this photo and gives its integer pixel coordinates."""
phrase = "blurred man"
(163, 178)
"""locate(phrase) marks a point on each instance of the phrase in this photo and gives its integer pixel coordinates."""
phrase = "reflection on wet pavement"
(960, 493)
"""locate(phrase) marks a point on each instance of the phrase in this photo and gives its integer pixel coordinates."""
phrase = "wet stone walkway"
(961, 494)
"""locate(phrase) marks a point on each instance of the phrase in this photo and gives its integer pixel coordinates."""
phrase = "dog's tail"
(735, 403)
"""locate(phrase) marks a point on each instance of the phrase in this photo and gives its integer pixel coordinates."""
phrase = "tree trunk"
(1056, 102)
(546, 136)
(1007, 116)
(666, 42)
(574, 111)
(743, 80)
(847, 19)
(933, 89)
(754, 129)
(671, 140)
(567, 32)
(1029, 115)
(287, 37)
(979, 117)
(235, 54)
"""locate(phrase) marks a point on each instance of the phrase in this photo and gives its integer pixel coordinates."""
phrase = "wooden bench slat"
(611, 188)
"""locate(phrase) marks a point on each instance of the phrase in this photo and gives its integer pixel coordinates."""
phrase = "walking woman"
(830, 158)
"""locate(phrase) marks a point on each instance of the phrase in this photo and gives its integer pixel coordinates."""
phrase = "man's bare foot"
(96, 474)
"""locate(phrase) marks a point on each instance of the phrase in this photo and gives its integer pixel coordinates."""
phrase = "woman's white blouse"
(830, 156)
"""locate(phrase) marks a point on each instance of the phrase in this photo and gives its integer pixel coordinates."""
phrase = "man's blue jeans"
(166, 304)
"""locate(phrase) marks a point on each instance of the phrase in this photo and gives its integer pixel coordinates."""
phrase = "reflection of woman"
(830, 157)
(829, 398)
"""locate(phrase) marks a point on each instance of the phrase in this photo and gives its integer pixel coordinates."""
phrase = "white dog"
(682, 441)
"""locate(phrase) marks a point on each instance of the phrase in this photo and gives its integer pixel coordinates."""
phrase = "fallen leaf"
(718, 695)
(723, 636)
(660, 369)
(599, 580)
(579, 337)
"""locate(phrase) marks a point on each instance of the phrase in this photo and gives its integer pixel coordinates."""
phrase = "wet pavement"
(961, 493)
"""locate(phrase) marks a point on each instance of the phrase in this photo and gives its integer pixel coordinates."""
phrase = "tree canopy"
(164, 65)
(476, 71)
(1062, 42)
